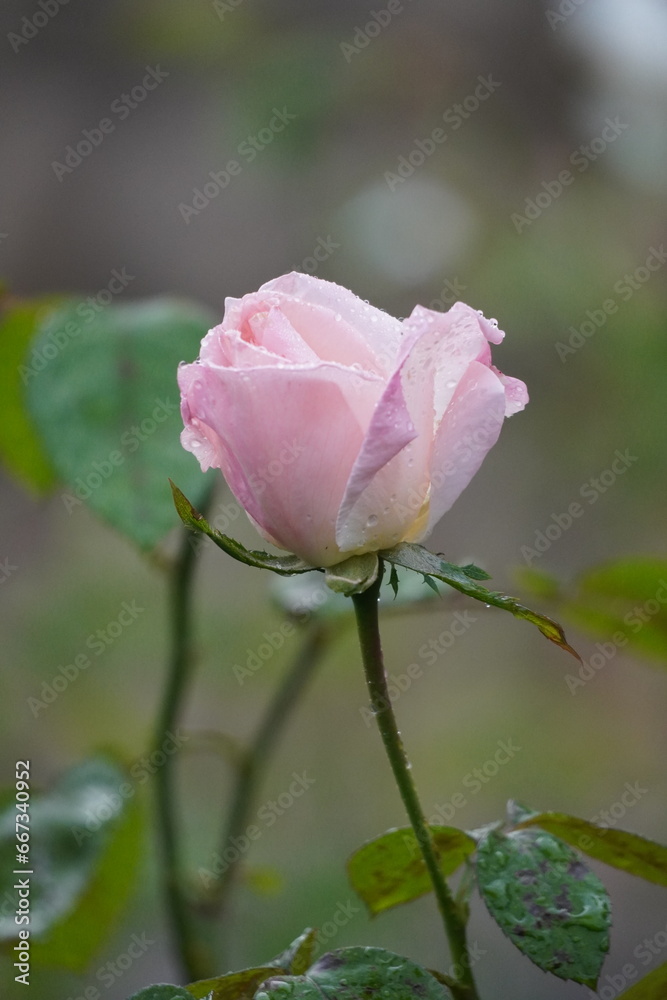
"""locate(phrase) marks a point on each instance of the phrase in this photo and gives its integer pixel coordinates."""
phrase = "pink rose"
(340, 429)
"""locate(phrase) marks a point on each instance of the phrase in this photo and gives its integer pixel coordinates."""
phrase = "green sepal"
(191, 518)
(419, 559)
(353, 575)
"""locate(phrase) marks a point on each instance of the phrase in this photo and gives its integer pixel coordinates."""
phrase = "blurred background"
(541, 200)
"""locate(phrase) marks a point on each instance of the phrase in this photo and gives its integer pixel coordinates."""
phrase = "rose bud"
(338, 428)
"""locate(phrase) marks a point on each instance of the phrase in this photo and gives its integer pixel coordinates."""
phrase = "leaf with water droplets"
(547, 901)
(350, 973)
(617, 848)
(390, 870)
(419, 559)
(105, 404)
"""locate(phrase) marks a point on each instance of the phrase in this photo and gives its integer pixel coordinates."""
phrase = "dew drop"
(372, 521)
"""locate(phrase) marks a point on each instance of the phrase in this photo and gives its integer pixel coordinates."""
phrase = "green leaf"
(353, 575)
(627, 851)
(297, 957)
(162, 992)
(20, 446)
(390, 870)
(233, 986)
(356, 972)
(419, 559)
(651, 987)
(107, 406)
(191, 518)
(85, 844)
(551, 906)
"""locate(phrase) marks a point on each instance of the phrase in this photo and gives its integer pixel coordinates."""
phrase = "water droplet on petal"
(372, 521)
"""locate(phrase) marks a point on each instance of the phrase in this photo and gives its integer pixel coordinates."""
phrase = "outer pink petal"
(469, 429)
(516, 393)
(378, 329)
(288, 465)
(390, 479)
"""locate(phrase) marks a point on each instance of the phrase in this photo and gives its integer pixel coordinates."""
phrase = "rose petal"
(381, 332)
(469, 429)
(287, 467)
(390, 479)
(516, 393)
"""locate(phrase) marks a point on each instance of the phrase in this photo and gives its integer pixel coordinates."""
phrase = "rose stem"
(179, 672)
(366, 609)
(255, 758)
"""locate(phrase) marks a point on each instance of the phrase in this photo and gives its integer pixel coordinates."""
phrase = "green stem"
(254, 760)
(179, 913)
(366, 609)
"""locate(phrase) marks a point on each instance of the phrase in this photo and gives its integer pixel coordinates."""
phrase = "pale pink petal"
(390, 479)
(469, 429)
(330, 336)
(376, 328)
(516, 393)
(287, 441)
(274, 331)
